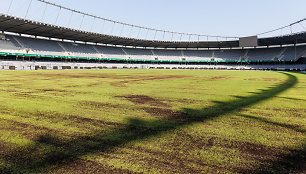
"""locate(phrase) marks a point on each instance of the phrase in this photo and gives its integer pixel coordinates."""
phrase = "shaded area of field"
(34, 159)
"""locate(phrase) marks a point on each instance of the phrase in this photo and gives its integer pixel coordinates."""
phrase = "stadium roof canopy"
(23, 26)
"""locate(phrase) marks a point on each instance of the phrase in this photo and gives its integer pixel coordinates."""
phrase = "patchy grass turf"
(152, 121)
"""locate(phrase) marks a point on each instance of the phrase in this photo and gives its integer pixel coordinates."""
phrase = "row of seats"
(58, 48)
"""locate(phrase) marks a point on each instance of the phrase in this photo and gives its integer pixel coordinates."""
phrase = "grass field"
(152, 121)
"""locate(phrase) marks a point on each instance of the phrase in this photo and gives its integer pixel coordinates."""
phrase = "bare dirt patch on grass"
(184, 142)
(68, 75)
(28, 130)
(220, 77)
(7, 81)
(252, 79)
(214, 78)
(272, 79)
(86, 166)
(60, 92)
(93, 84)
(176, 160)
(264, 79)
(120, 83)
(98, 105)
(262, 114)
(75, 119)
(27, 95)
(189, 142)
(142, 79)
(125, 78)
(94, 122)
(143, 99)
(110, 76)
(160, 112)
(5, 147)
(252, 148)
(183, 100)
(296, 112)
(39, 93)
(53, 90)
(9, 90)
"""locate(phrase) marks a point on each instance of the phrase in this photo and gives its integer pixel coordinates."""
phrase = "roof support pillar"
(82, 21)
(302, 26)
(70, 19)
(147, 34)
(155, 34)
(138, 33)
(44, 12)
(102, 28)
(112, 28)
(9, 8)
(28, 9)
(131, 30)
(122, 30)
(58, 15)
(93, 23)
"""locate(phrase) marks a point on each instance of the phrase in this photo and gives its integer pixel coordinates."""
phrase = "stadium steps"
(294, 53)
(126, 54)
(304, 54)
(100, 52)
(281, 55)
(62, 47)
(213, 54)
(154, 55)
(17, 42)
(182, 52)
(245, 56)
(7, 45)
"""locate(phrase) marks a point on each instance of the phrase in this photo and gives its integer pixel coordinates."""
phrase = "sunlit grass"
(151, 121)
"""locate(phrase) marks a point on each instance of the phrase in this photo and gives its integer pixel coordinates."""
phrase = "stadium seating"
(111, 52)
(230, 55)
(168, 54)
(38, 44)
(143, 54)
(294, 52)
(78, 48)
(18, 44)
(264, 54)
(194, 55)
(7, 45)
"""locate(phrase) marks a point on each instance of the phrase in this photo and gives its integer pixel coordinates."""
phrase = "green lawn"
(152, 121)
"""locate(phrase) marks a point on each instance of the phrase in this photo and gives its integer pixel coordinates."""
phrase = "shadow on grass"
(283, 125)
(288, 163)
(37, 157)
(290, 98)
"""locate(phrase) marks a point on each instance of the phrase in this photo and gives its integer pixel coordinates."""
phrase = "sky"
(211, 17)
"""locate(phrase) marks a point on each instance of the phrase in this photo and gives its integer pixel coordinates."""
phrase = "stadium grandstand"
(29, 44)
